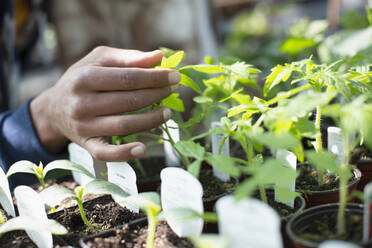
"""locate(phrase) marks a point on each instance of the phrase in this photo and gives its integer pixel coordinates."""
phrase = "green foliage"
(173, 102)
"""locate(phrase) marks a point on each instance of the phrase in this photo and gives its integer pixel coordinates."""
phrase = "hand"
(87, 104)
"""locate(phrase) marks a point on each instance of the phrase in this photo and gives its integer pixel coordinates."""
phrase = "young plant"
(346, 116)
(40, 171)
(53, 195)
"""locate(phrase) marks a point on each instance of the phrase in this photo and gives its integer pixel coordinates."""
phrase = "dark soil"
(136, 238)
(360, 153)
(103, 211)
(308, 180)
(324, 228)
(213, 187)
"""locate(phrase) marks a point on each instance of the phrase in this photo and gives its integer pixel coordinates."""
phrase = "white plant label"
(82, 157)
(123, 175)
(225, 151)
(179, 189)
(337, 244)
(171, 156)
(335, 143)
(248, 223)
(367, 219)
(30, 204)
(5, 197)
(291, 162)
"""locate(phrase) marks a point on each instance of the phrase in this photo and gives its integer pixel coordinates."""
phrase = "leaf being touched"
(173, 102)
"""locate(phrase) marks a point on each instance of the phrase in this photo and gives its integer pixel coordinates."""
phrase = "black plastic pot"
(365, 166)
(301, 222)
(316, 198)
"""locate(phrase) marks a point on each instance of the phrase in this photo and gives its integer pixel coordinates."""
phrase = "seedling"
(40, 171)
(52, 196)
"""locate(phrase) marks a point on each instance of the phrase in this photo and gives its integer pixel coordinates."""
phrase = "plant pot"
(315, 198)
(365, 166)
(309, 219)
(136, 232)
(152, 166)
(102, 209)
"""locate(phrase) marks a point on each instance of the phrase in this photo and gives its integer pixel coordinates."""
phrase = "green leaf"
(203, 99)
(305, 127)
(55, 194)
(167, 51)
(210, 241)
(173, 61)
(294, 45)
(323, 160)
(66, 165)
(190, 149)
(246, 188)
(225, 164)
(188, 82)
(100, 186)
(173, 102)
(194, 168)
(33, 224)
(284, 194)
(281, 141)
(146, 200)
(22, 166)
(278, 74)
(210, 69)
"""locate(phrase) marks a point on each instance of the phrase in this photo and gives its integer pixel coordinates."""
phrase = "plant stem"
(140, 167)
(41, 180)
(318, 140)
(262, 193)
(152, 223)
(341, 225)
(82, 214)
(184, 159)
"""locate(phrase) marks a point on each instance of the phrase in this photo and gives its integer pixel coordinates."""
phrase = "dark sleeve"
(19, 141)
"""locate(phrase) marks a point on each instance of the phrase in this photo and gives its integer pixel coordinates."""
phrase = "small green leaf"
(66, 165)
(225, 164)
(210, 69)
(281, 141)
(323, 160)
(245, 189)
(194, 168)
(173, 61)
(173, 102)
(203, 99)
(295, 45)
(33, 224)
(146, 200)
(210, 241)
(188, 82)
(22, 166)
(284, 194)
(305, 127)
(55, 194)
(190, 149)
(99, 186)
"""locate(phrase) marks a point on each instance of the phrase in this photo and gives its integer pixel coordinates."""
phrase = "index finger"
(124, 79)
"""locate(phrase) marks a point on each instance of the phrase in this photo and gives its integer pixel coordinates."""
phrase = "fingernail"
(137, 151)
(174, 77)
(175, 87)
(167, 114)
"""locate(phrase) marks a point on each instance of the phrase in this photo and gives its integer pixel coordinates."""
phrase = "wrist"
(49, 136)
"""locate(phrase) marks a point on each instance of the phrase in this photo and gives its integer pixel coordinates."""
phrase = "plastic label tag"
(180, 189)
(335, 143)
(123, 175)
(30, 204)
(171, 156)
(248, 223)
(81, 156)
(337, 244)
(5, 196)
(367, 219)
(291, 162)
(225, 151)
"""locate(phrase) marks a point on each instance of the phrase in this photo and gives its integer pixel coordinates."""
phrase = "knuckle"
(100, 50)
(77, 107)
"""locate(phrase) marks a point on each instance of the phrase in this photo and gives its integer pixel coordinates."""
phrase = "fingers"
(115, 57)
(101, 150)
(124, 124)
(125, 79)
(119, 102)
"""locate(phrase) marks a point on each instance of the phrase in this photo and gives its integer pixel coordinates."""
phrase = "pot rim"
(357, 174)
(297, 216)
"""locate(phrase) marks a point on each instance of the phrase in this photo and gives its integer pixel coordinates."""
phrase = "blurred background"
(51, 35)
